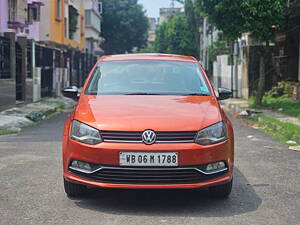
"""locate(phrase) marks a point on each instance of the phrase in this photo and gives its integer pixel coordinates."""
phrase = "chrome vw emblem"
(149, 137)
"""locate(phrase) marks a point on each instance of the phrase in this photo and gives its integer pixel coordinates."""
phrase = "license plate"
(148, 158)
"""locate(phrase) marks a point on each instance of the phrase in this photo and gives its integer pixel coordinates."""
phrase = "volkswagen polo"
(148, 121)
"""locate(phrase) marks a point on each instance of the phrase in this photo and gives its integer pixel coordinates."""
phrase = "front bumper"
(190, 155)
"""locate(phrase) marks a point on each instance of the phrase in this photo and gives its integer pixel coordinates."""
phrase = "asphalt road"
(266, 187)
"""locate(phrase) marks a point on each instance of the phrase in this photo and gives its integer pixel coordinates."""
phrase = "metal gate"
(4, 58)
(44, 59)
(46, 82)
(20, 95)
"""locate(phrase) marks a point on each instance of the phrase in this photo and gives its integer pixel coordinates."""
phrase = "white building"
(93, 11)
(152, 30)
(165, 14)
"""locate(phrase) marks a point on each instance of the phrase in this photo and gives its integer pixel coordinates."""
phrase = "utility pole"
(231, 63)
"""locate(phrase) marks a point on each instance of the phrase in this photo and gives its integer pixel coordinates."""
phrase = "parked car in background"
(149, 121)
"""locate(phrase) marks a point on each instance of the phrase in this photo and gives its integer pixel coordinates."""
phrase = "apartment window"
(33, 14)
(58, 9)
(12, 10)
(36, 14)
(66, 27)
(73, 21)
(88, 19)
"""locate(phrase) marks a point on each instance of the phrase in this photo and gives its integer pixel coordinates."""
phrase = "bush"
(284, 88)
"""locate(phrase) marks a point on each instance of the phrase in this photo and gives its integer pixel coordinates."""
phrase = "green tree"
(180, 37)
(258, 17)
(193, 21)
(124, 26)
(176, 37)
(161, 42)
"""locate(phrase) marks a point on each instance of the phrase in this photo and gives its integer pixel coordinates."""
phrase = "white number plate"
(149, 158)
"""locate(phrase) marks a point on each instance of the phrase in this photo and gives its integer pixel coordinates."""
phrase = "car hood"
(138, 113)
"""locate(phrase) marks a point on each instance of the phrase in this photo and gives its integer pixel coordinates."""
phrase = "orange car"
(148, 121)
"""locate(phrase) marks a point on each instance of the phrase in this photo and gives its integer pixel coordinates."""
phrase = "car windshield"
(147, 77)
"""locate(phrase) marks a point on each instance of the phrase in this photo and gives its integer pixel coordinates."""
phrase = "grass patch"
(6, 132)
(59, 105)
(279, 130)
(288, 106)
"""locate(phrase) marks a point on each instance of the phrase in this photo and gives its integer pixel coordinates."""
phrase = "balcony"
(92, 20)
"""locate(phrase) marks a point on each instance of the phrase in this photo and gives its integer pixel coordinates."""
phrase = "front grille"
(120, 175)
(161, 137)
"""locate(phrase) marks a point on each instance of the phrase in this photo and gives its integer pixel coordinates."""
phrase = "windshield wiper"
(197, 94)
(142, 93)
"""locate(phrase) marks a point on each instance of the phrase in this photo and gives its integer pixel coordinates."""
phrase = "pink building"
(23, 16)
(33, 19)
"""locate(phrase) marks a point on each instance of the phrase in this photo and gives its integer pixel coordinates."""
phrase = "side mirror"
(71, 92)
(224, 93)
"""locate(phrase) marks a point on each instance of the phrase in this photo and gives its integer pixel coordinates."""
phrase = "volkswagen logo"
(149, 137)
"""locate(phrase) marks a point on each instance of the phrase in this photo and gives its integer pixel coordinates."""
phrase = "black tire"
(221, 191)
(73, 190)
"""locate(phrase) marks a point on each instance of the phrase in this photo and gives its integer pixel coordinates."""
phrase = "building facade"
(93, 12)
(42, 48)
(22, 16)
(63, 23)
(165, 14)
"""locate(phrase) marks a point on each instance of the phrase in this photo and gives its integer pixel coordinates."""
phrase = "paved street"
(266, 187)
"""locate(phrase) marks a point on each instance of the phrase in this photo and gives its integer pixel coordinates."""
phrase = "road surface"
(266, 187)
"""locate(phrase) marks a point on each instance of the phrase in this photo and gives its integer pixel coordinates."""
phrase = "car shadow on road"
(196, 203)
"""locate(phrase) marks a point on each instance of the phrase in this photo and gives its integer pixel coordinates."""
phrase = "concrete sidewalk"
(16, 118)
(242, 107)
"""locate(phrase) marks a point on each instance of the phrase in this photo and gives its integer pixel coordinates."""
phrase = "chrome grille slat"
(176, 133)
(171, 137)
(120, 137)
(122, 134)
(161, 137)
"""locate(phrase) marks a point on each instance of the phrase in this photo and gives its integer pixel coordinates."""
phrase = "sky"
(152, 6)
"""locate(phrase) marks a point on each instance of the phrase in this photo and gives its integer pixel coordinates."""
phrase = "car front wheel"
(221, 191)
(73, 190)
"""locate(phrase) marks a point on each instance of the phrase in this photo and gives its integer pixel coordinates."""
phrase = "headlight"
(84, 133)
(212, 134)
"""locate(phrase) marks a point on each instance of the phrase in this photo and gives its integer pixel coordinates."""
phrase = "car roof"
(147, 56)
